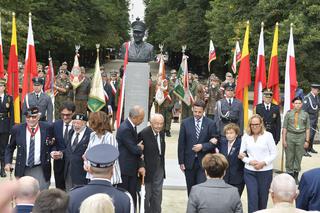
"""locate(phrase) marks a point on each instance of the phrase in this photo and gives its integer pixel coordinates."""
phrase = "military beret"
(229, 86)
(138, 25)
(2, 82)
(102, 155)
(79, 116)
(316, 86)
(37, 81)
(32, 111)
(267, 92)
(297, 98)
(64, 63)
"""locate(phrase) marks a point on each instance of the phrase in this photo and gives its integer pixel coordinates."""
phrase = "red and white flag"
(236, 57)
(1, 55)
(290, 82)
(162, 85)
(260, 80)
(212, 54)
(30, 66)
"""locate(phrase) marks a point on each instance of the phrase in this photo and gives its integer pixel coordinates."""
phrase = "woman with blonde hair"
(99, 122)
(97, 203)
(257, 151)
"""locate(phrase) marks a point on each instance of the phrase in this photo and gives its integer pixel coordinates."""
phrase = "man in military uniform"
(186, 111)
(229, 110)
(295, 137)
(214, 94)
(311, 104)
(176, 104)
(270, 114)
(81, 94)
(115, 85)
(6, 121)
(39, 99)
(62, 86)
(101, 158)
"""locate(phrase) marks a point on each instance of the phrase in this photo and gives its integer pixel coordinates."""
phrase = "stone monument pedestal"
(137, 89)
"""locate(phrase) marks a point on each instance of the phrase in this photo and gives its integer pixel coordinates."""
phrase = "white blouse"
(264, 149)
(107, 138)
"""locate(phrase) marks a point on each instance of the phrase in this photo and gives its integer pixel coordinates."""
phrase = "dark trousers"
(258, 184)
(58, 168)
(129, 183)
(153, 196)
(195, 175)
(3, 143)
(312, 134)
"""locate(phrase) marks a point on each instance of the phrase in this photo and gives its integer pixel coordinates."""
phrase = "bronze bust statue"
(139, 51)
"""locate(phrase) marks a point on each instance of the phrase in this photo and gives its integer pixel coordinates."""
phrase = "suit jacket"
(187, 138)
(151, 152)
(216, 196)
(271, 119)
(18, 139)
(6, 114)
(120, 200)
(234, 173)
(130, 153)
(44, 104)
(73, 159)
(23, 208)
(58, 135)
(309, 186)
(311, 105)
(229, 114)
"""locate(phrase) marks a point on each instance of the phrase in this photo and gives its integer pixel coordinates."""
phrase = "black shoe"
(168, 134)
(313, 151)
(3, 173)
(307, 154)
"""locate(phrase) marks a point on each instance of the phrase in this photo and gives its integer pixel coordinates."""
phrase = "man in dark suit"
(101, 158)
(270, 114)
(6, 122)
(309, 187)
(61, 130)
(27, 192)
(154, 151)
(130, 150)
(77, 144)
(34, 142)
(196, 138)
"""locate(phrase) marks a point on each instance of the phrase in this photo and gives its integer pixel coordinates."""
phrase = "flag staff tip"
(13, 14)
(248, 22)
(277, 23)
(291, 25)
(30, 14)
(262, 24)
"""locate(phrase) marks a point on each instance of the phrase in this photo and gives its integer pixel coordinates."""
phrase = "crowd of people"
(98, 171)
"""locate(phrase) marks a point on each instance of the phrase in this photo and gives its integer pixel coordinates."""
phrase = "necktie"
(268, 108)
(31, 149)
(75, 142)
(197, 128)
(0, 100)
(230, 102)
(65, 134)
(296, 116)
(135, 129)
(156, 136)
(37, 95)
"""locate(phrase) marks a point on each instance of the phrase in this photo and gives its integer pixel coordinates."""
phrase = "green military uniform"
(60, 96)
(81, 96)
(295, 138)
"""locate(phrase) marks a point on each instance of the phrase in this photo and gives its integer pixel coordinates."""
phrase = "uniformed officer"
(270, 114)
(186, 111)
(229, 110)
(176, 104)
(295, 137)
(311, 104)
(6, 121)
(214, 94)
(101, 160)
(62, 86)
(39, 99)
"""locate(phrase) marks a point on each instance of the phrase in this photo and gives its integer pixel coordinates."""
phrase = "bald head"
(283, 189)
(136, 114)
(157, 122)
(28, 189)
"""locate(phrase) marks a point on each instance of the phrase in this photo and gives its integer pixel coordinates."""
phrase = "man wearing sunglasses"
(33, 141)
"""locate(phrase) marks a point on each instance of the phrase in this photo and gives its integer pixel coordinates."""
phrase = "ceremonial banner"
(212, 54)
(244, 77)
(30, 66)
(76, 77)
(1, 54)
(96, 99)
(13, 72)
(260, 80)
(162, 84)
(236, 57)
(273, 78)
(290, 82)
(49, 84)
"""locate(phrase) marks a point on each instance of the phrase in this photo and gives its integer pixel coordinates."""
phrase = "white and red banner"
(236, 57)
(212, 54)
(1, 55)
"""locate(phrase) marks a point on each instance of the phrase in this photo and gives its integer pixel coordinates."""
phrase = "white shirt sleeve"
(272, 149)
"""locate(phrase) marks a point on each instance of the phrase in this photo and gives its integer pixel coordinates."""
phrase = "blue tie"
(197, 128)
(31, 149)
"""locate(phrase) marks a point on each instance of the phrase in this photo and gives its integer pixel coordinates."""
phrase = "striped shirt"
(107, 138)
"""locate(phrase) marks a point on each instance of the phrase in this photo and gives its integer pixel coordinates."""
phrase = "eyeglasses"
(255, 125)
(66, 114)
(31, 117)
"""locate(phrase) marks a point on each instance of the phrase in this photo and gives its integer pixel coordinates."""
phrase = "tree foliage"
(59, 25)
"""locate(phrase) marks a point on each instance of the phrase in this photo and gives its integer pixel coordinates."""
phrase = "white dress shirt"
(37, 146)
(267, 106)
(158, 140)
(81, 133)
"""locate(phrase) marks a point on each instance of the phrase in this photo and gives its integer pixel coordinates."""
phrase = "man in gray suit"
(39, 99)
(214, 195)
(229, 110)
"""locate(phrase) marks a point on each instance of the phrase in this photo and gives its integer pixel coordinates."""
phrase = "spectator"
(27, 192)
(97, 203)
(214, 195)
(283, 191)
(51, 201)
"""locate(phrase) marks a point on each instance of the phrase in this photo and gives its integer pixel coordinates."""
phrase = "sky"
(136, 9)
